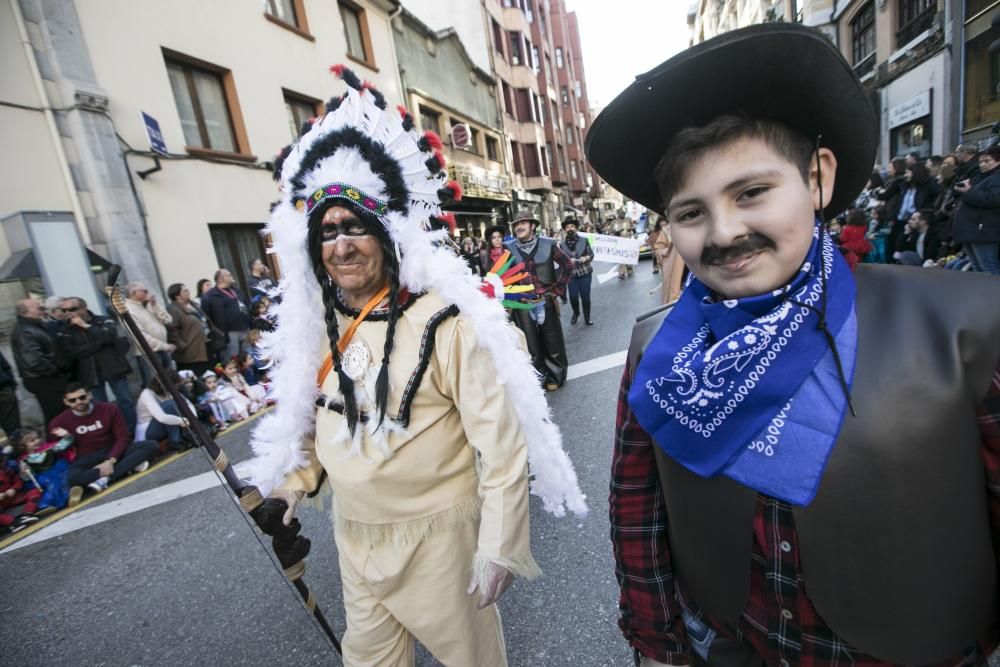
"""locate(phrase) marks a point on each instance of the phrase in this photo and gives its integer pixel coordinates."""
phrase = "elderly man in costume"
(578, 249)
(549, 269)
(799, 475)
(425, 411)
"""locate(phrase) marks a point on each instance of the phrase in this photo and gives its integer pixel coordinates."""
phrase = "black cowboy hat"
(570, 221)
(782, 72)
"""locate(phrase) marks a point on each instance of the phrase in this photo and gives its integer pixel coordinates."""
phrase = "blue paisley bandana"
(750, 388)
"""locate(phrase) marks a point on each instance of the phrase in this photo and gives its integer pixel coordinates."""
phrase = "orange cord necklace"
(345, 339)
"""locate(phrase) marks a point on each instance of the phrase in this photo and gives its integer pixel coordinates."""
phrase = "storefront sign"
(480, 183)
(614, 249)
(911, 109)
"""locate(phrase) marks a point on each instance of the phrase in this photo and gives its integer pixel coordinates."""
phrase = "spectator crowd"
(942, 211)
(69, 358)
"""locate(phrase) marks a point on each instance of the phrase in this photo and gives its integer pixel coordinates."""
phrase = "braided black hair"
(329, 291)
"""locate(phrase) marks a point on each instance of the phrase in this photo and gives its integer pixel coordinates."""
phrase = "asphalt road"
(185, 582)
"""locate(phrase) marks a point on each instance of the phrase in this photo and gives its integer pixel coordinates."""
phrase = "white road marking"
(92, 516)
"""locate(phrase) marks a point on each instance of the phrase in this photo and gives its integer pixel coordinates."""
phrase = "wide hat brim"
(494, 228)
(783, 72)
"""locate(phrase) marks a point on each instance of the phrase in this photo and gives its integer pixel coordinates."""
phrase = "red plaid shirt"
(651, 602)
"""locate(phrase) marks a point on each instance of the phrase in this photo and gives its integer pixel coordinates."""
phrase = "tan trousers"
(394, 594)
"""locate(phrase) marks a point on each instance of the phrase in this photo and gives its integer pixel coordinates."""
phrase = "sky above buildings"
(626, 37)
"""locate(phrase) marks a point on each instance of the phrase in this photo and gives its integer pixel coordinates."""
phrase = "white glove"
(496, 580)
(291, 498)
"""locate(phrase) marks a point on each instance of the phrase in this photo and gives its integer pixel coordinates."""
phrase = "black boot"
(576, 317)
(586, 315)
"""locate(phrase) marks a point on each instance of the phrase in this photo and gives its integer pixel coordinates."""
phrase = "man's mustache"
(745, 246)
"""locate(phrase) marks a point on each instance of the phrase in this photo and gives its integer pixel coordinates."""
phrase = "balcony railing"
(866, 65)
(922, 22)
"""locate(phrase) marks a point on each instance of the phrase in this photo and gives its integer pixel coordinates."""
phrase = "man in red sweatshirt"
(104, 452)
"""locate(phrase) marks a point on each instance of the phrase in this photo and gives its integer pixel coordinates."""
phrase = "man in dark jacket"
(39, 359)
(976, 223)
(10, 416)
(228, 309)
(967, 157)
(260, 281)
(98, 355)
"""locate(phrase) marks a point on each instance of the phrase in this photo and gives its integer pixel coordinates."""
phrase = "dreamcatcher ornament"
(500, 283)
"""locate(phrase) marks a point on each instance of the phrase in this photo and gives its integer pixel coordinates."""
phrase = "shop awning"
(22, 265)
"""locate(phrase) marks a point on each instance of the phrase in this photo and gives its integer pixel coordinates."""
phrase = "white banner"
(614, 249)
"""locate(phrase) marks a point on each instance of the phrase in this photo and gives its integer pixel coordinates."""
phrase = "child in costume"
(15, 493)
(254, 394)
(47, 465)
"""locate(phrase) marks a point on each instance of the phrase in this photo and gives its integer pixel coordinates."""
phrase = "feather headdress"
(376, 161)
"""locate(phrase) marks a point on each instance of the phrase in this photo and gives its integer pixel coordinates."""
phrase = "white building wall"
(931, 75)
(467, 20)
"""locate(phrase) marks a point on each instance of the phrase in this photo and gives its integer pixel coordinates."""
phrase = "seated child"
(14, 493)
(226, 404)
(45, 465)
(254, 393)
(253, 376)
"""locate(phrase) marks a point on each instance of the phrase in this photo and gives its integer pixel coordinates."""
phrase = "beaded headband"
(344, 191)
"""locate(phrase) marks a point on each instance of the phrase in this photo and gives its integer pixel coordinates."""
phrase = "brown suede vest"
(896, 548)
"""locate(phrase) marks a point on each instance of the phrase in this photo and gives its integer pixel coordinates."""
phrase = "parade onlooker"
(10, 414)
(494, 248)
(879, 227)
(104, 450)
(18, 501)
(255, 394)
(54, 314)
(99, 354)
(967, 161)
(40, 361)
(152, 321)
(869, 197)
(259, 318)
(852, 238)
(976, 223)
(578, 249)
(919, 239)
(228, 309)
(933, 165)
(187, 331)
(260, 281)
(45, 465)
(201, 287)
(470, 253)
(651, 239)
(918, 192)
(895, 182)
(159, 417)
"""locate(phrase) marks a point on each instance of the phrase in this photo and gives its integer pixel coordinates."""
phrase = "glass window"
(565, 96)
(498, 38)
(430, 120)
(515, 150)
(492, 149)
(915, 16)
(982, 78)
(354, 31)
(508, 99)
(572, 170)
(299, 111)
(863, 39)
(569, 135)
(283, 10)
(535, 59)
(559, 57)
(202, 106)
(516, 52)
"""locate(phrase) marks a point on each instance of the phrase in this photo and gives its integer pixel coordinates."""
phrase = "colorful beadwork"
(345, 191)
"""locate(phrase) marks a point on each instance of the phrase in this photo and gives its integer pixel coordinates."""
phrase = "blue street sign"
(156, 143)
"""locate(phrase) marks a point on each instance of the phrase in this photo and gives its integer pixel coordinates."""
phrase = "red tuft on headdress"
(433, 140)
(456, 188)
(450, 219)
(403, 113)
(440, 158)
(337, 70)
(367, 85)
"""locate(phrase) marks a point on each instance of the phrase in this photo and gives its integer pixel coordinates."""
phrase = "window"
(535, 59)
(539, 108)
(564, 94)
(359, 42)
(555, 116)
(559, 57)
(915, 16)
(528, 12)
(531, 163)
(574, 174)
(235, 245)
(515, 150)
(508, 100)
(577, 89)
(863, 39)
(562, 159)
(546, 152)
(492, 149)
(516, 48)
(569, 135)
(203, 104)
(288, 14)
(299, 109)
(498, 38)
(430, 120)
(548, 70)
(524, 111)
(982, 79)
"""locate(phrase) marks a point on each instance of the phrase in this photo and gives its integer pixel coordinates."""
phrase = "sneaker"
(26, 520)
(98, 485)
(142, 467)
(44, 511)
(75, 495)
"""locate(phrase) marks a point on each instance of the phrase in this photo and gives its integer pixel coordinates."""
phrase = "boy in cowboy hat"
(787, 488)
